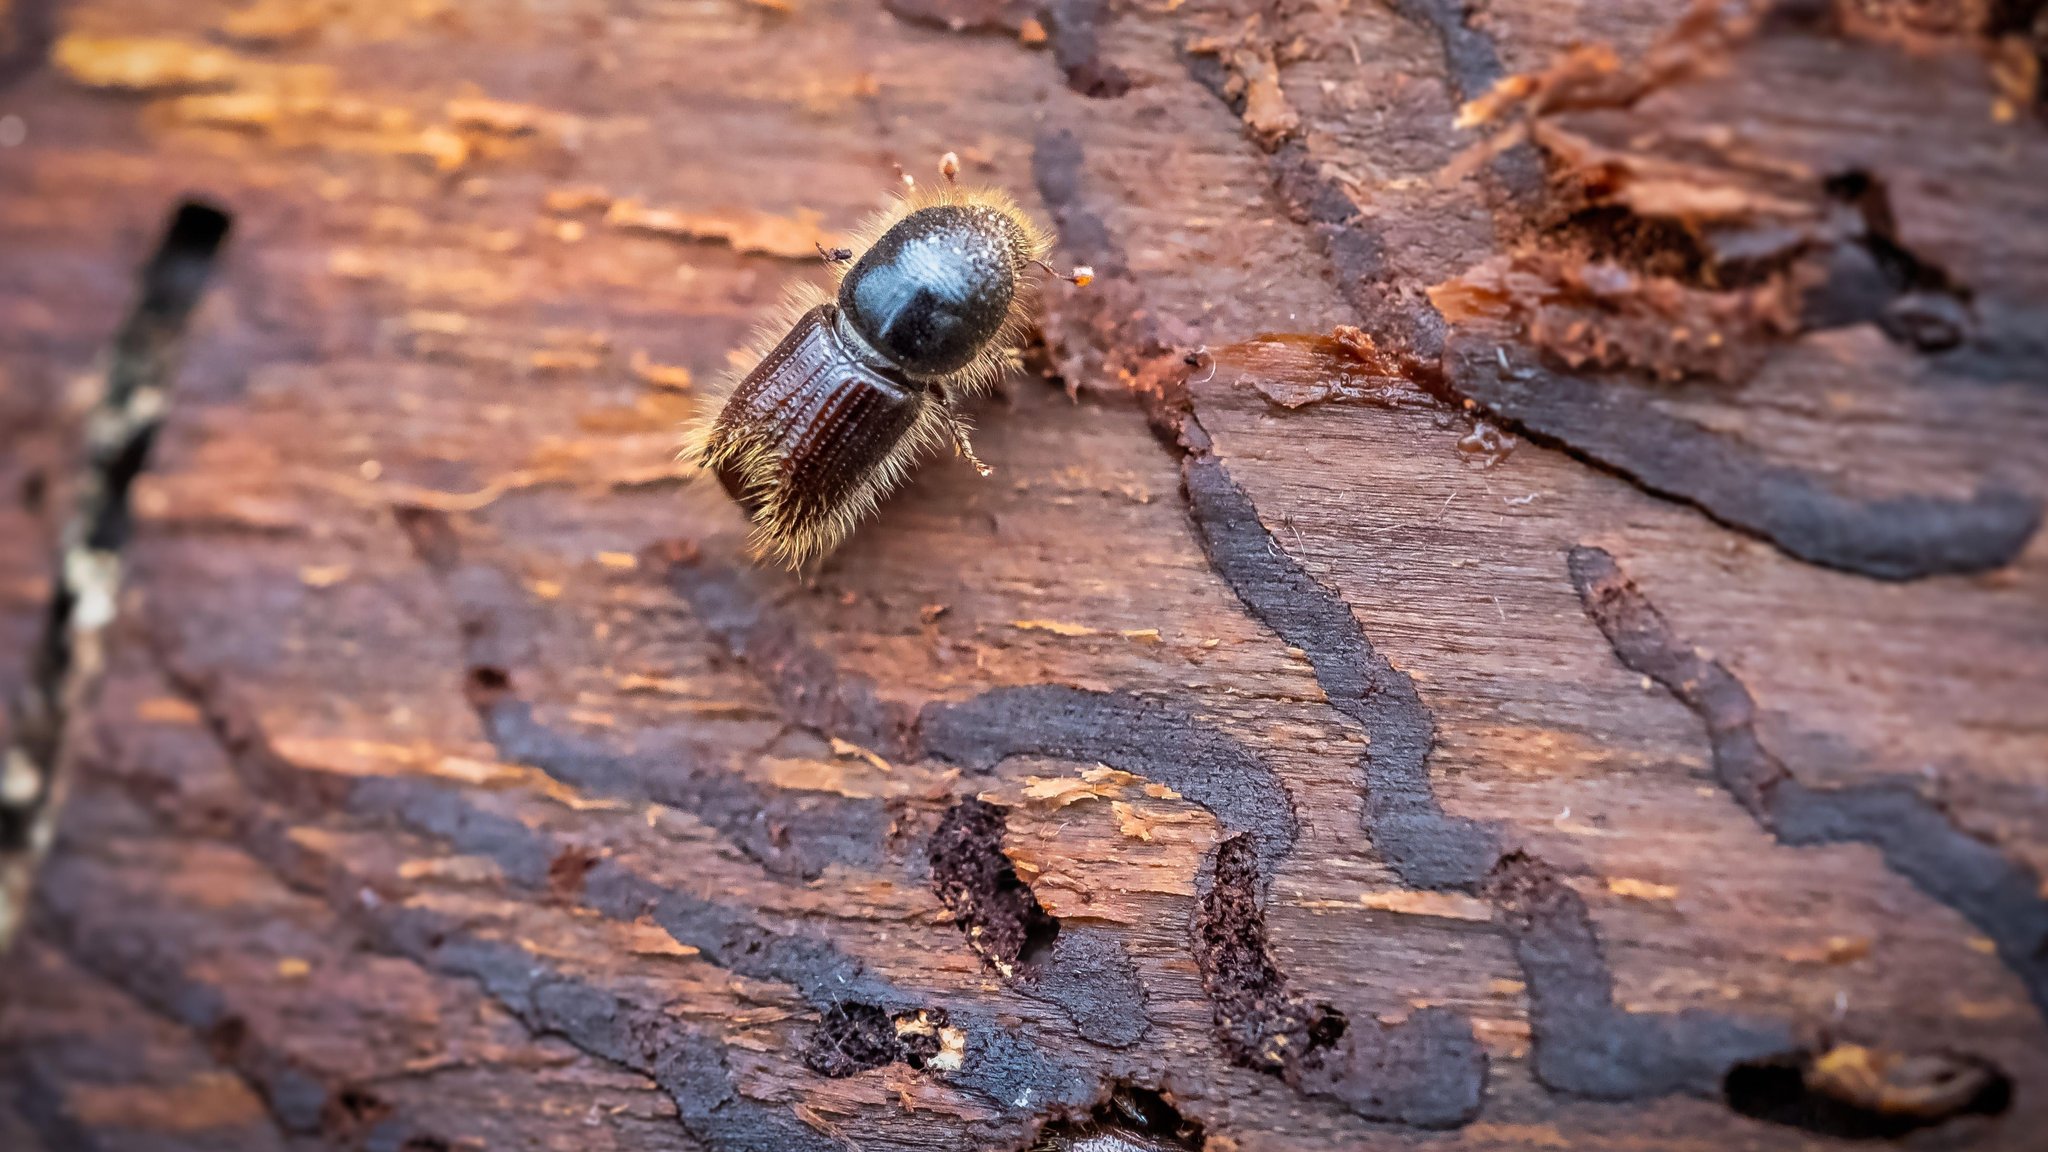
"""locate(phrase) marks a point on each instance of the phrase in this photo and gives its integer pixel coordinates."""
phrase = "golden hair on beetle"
(840, 395)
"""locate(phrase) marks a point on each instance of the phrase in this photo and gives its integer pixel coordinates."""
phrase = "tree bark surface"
(1510, 615)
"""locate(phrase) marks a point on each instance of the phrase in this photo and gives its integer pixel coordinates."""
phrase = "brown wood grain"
(1422, 743)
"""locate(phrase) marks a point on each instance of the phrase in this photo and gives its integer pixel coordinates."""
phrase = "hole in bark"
(852, 1037)
(485, 686)
(1867, 272)
(353, 1109)
(970, 873)
(1653, 247)
(1914, 301)
(177, 273)
(1858, 1093)
(1326, 1027)
(924, 1045)
(359, 1103)
(226, 1037)
(118, 471)
(1260, 1024)
(2016, 16)
(1813, 15)
(1872, 200)
(1131, 1113)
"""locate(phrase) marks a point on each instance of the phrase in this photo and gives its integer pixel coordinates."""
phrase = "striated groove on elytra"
(1917, 838)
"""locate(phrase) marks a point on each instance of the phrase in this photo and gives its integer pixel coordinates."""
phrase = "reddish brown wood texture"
(1593, 699)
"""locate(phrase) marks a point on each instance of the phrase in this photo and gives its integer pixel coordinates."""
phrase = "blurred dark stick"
(70, 652)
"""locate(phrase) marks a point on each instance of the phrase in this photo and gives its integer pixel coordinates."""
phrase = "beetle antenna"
(1082, 276)
(964, 448)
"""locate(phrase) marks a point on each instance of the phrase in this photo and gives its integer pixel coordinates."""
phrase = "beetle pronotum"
(845, 393)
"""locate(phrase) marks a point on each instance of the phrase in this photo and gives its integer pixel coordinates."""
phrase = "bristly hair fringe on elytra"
(780, 533)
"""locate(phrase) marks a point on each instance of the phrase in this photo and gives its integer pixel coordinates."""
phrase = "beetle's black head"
(935, 289)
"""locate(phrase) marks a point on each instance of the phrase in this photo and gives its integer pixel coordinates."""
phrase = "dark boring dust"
(1586, 1045)
(853, 1037)
(1107, 333)
(502, 631)
(1470, 56)
(1089, 975)
(1260, 1024)
(1610, 288)
(1076, 28)
(806, 681)
(976, 881)
(1427, 1071)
